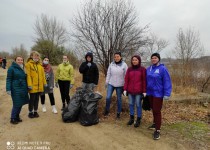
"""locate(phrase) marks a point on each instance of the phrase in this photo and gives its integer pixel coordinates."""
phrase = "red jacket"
(135, 80)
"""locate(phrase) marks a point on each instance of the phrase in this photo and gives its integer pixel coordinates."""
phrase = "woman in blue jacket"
(16, 86)
(159, 88)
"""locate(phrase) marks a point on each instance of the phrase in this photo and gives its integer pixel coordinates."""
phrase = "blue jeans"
(15, 112)
(135, 99)
(119, 91)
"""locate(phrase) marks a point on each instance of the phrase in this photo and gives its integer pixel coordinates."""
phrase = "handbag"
(146, 104)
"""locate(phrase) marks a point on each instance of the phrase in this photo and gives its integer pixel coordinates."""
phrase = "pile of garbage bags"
(83, 107)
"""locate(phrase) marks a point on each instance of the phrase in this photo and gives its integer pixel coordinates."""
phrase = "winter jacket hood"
(89, 54)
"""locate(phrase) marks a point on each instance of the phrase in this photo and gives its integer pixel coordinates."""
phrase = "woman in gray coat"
(49, 75)
(16, 86)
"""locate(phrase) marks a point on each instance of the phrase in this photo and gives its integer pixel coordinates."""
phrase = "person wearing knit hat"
(156, 54)
(159, 88)
(135, 88)
(89, 71)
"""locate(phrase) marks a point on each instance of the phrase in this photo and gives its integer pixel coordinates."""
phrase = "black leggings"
(64, 90)
(51, 97)
(33, 102)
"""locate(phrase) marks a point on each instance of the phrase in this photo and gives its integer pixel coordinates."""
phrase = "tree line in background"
(105, 27)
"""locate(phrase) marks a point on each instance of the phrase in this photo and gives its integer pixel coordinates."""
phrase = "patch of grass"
(192, 130)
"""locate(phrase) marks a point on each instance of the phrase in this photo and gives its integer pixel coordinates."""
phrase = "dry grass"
(180, 90)
(172, 112)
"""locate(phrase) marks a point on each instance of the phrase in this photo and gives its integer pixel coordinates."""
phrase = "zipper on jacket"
(37, 71)
(38, 76)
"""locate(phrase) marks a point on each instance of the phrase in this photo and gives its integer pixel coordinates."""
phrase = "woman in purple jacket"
(159, 88)
(135, 87)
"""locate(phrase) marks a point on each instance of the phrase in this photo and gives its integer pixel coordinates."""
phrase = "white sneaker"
(54, 110)
(44, 108)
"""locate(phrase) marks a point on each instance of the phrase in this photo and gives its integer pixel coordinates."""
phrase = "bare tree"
(50, 29)
(20, 51)
(154, 44)
(105, 27)
(4, 54)
(188, 47)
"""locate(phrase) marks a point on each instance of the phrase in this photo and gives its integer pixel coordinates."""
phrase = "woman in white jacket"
(115, 80)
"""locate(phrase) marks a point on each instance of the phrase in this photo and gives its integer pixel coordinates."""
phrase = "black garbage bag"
(71, 112)
(146, 104)
(89, 109)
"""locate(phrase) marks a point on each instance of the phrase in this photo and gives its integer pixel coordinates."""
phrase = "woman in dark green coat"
(16, 86)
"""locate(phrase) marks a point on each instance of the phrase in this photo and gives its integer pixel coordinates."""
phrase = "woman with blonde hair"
(36, 82)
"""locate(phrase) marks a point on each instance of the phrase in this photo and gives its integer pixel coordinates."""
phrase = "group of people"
(137, 82)
(36, 77)
(27, 83)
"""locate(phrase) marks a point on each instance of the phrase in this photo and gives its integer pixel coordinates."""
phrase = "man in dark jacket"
(90, 73)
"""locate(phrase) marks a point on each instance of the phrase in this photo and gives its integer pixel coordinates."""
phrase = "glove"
(144, 94)
(51, 88)
(45, 85)
(165, 97)
(56, 84)
(94, 85)
(89, 64)
(125, 93)
(9, 92)
(71, 86)
(30, 87)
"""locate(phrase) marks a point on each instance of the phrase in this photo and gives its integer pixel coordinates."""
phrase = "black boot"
(131, 121)
(36, 115)
(13, 121)
(118, 115)
(106, 112)
(31, 115)
(137, 123)
(19, 119)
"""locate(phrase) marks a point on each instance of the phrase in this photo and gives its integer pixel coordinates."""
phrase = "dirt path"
(49, 132)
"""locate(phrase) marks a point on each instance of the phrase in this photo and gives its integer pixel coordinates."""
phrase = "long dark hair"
(139, 58)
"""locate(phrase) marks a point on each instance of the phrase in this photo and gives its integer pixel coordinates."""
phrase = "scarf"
(47, 68)
(119, 62)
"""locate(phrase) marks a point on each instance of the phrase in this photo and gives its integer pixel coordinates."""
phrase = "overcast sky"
(17, 18)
